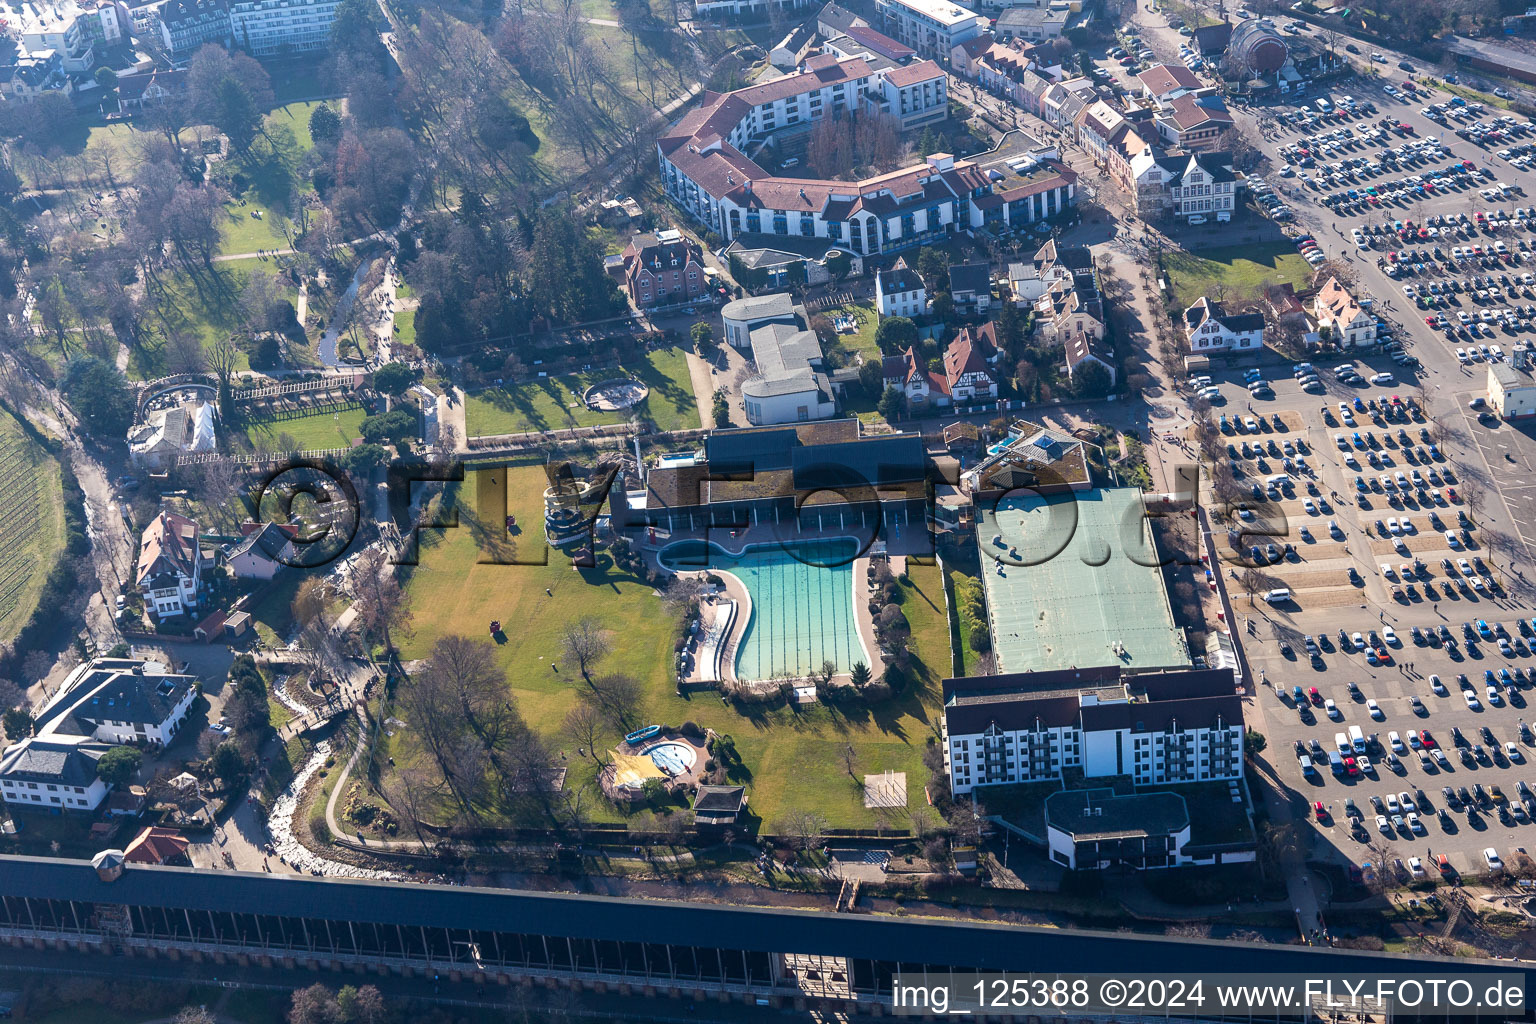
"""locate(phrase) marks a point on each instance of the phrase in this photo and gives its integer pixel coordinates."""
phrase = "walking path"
(703, 390)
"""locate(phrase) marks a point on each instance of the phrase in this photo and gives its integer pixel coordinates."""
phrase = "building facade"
(1158, 728)
(170, 567)
(1210, 328)
(931, 27)
(664, 269)
(272, 28)
(186, 25)
(900, 292)
(1346, 320)
(705, 171)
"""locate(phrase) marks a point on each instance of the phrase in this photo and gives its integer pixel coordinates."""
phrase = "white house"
(55, 773)
(968, 373)
(1347, 321)
(1210, 328)
(264, 551)
(170, 569)
(900, 292)
(119, 700)
(105, 702)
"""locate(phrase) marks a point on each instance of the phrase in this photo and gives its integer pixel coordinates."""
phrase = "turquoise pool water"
(802, 604)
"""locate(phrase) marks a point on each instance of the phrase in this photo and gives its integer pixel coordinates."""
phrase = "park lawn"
(796, 758)
(313, 431)
(296, 117)
(202, 308)
(863, 341)
(32, 529)
(273, 614)
(405, 327)
(554, 403)
(242, 233)
(1243, 270)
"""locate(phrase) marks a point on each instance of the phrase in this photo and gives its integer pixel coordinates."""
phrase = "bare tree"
(381, 603)
(804, 829)
(223, 358)
(583, 644)
(409, 792)
(618, 699)
(584, 725)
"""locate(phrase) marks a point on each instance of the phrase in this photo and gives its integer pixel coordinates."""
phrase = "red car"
(1350, 767)
(1320, 810)
(1451, 493)
(1382, 656)
(1427, 739)
(1315, 697)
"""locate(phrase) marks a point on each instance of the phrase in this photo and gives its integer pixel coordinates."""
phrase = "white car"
(1389, 635)
(1416, 867)
(1512, 752)
(1332, 708)
(1396, 742)
(1491, 858)
(1472, 702)
(1374, 709)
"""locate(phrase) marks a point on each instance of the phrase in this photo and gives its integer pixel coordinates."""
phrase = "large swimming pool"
(802, 604)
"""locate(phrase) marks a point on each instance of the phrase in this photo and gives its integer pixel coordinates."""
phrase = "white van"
(1279, 595)
(1357, 739)
(1278, 480)
(1341, 742)
(1322, 104)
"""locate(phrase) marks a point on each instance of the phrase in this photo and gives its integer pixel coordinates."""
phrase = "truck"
(1357, 739)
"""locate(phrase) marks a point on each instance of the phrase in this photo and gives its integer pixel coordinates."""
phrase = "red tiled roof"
(1162, 79)
(156, 845)
(914, 73)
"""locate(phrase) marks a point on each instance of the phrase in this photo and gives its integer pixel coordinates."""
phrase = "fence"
(258, 458)
(352, 380)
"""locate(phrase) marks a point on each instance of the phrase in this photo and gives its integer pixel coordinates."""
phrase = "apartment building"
(1157, 728)
(271, 28)
(71, 29)
(186, 25)
(931, 27)
(706, 172)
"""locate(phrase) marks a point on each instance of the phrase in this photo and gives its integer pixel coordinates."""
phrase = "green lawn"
(312, 431)
(273, 614)
(555, 402)
(31, 524)
(795, 757)
(206, 307)
(864, 340)
(405, 327)
(1243, 270)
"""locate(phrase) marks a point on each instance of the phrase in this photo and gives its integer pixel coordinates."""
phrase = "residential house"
(119, 700)
(921, 386)
(1194, 122)
(787, 54)
(1070, 313)
(1027, 282)
(31, 75)
(158, 845)
(263, 551)
(1099, 128)
(1160, 83)
(1064, 101)
(145, 90)
(1342, 316)
(1210, 328)
(970, 287)
(900, 291)
(969, 374)
(664, 269)
(59, 774)
(170, 567)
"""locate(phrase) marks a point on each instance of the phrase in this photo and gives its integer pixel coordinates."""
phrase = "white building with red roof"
(705, 170)
(170, 569)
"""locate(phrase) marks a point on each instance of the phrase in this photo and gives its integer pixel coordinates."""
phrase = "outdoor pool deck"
(1075, 583)
(791, 614)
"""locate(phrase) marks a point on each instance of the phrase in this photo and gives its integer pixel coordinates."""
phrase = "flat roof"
(1078, 585)
(942, 11)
